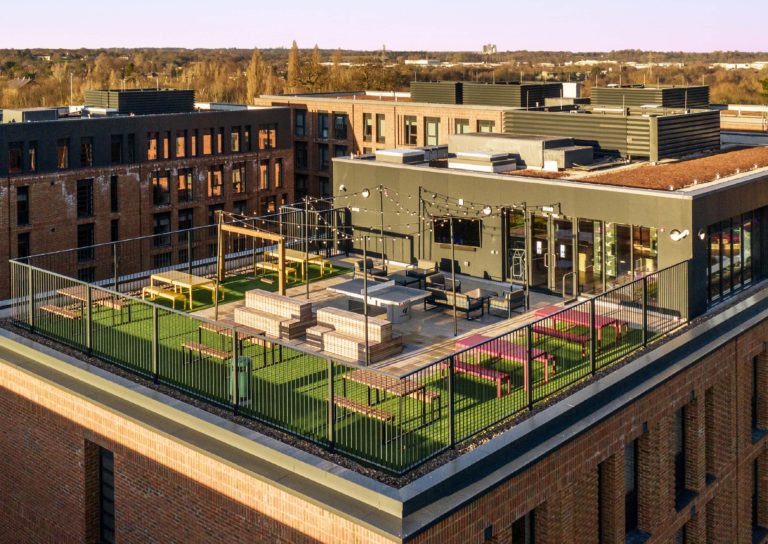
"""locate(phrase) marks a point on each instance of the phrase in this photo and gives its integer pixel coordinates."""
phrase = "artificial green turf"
(289, 389)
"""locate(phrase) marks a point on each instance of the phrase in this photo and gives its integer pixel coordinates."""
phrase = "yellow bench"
(274, 267)
(167, 294)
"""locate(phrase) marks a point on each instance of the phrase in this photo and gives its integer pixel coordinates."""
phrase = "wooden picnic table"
(583, 319)
(304, 259)
(182, 280)
(504, 349)
(399, 387)
(80, 293)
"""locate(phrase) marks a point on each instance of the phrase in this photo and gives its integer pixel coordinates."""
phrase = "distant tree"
(254, 77)
(312, 73)
(292, 76)
(764, 93)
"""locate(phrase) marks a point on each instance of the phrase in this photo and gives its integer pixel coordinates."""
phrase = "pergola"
(255, 233)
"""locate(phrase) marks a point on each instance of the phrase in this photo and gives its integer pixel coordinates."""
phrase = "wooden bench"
(167, 294)
(427, 395)
(274, 267)
(563, 335)
(115, 304)
(368, 411)
(202, 349)
(485, 374)
(59, 311)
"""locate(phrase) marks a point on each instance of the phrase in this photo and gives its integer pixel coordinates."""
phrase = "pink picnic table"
(582, 319)
(504, 349)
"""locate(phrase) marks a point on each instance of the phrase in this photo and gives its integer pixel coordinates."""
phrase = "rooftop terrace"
(441, 391)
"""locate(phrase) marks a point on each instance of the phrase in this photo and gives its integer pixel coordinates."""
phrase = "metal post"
(645, 311)
(216, 288)
(365, 295)
(529, 363)
(331, 407)
(114, 266)
(306, 243)
(235, 374)
(592, 338)
(453, 281)
(155, 345)
(451, 404)
(31, 309)
(88, 320)
(189, 252)
(421, 227)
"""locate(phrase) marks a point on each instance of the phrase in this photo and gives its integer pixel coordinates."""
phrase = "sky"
(448, 25)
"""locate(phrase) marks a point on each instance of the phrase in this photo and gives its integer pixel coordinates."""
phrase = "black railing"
(394, 422)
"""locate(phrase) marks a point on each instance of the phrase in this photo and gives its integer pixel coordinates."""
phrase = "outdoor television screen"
(466, 232)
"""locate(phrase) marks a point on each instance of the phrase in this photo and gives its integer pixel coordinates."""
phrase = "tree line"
(236, 75)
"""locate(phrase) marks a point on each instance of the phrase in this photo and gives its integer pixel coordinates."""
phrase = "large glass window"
(301, 156)
(323, 156)
(215, 177)
(15, 153)
(730, 246)
(161, 188)
(322, 126)
(264, 175)
(62, 154)
(367, 127)
(152, 146)
(85, 198)
(238, 177)
(116, 149)
(22, 205)
(630, 487)
(234, 140)
(466, 232)
(161, 228)
(381, 128)
(461, 126)
(184, 185)
(485, 125)
(86, 152)
(181, 144)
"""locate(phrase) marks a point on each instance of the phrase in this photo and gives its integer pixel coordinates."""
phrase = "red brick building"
(670, 447)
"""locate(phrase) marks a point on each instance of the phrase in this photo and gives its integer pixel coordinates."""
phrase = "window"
(301, 185)
(300, 123)
(162, 260)
(731, 249)
(116, 149)
(207, 141)
(166, 145)
(234, 140)
(22, 245)
(238, 177)
(181, 144)
(152, 146)
(106, 496)
(22, 205)
(410, 129)
(186, 219)
(113, 195)
(301, 155)
(486, 126)
(161, 228)
(322, 126)
(15, 153)
(131, 148)
(325, 186)
(367, 127)
(85, 198)
(466, 232)
(240, 207)
(381, 128)
(432, 130)
(161, 188)
(523, 530)
(278, 172)
(32, 157)
(85, 241)
(62, 154)
(267, 136)
(340, 151)
(184, 185)
(264, 175)
(461, 126)
(86, 152)
(114, 230)
(679, 435)
(630, 487)
(193, 143)
(215, 176)
(340, 126)
(247, 138)
(324, 158)
(220, 141)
